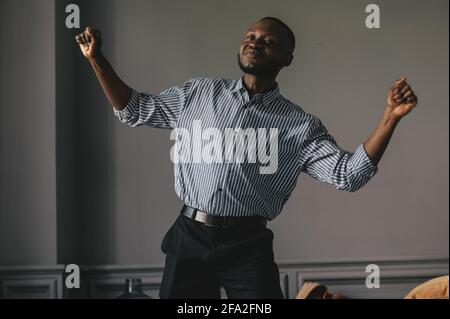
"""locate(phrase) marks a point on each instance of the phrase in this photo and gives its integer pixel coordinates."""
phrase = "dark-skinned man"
(220, 238)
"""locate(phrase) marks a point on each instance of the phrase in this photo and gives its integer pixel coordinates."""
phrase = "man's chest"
(234, 111)
(230, 117)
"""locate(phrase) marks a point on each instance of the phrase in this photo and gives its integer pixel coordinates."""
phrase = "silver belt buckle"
(200, 216)
(206, 219)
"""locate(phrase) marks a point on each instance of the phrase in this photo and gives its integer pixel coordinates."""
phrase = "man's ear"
(288, 60)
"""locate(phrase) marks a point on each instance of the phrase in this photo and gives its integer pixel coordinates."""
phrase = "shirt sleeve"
(160, 111)
(324, 160)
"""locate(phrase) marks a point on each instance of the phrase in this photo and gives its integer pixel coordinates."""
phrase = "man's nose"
(255, 44)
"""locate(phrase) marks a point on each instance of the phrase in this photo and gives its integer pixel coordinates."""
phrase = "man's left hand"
(401, 99)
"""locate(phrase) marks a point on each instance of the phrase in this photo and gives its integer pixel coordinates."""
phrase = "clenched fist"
(401, 99)
(90, 42)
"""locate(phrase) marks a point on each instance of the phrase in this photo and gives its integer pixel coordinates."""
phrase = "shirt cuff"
(127, 113)
(362, 162)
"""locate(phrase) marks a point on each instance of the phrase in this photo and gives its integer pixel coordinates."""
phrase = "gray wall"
(115, 188)
(27, 133)
(341, 73)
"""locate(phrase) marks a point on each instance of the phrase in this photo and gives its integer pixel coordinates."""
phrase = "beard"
(256, 69)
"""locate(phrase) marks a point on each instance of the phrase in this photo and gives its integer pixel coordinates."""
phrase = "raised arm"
(323, 159)
(401, 100)
(117, 91)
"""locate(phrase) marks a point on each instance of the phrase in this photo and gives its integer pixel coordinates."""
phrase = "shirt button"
(220, 189)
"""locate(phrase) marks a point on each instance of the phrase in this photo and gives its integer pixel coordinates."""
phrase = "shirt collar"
(267, 97)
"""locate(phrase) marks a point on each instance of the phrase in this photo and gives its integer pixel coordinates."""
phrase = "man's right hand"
(117, 91)
(90, 42)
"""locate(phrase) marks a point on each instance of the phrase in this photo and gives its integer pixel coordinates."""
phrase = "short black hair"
(290, 35)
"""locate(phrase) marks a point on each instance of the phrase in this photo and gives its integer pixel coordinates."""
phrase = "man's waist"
(222, 221)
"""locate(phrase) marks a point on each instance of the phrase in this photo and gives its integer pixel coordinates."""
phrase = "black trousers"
(200, 259)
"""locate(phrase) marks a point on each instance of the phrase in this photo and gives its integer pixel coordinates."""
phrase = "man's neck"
(257, 84)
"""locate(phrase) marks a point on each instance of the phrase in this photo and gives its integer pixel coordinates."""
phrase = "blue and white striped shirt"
(238, 189)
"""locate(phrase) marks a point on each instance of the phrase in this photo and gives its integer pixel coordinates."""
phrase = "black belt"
(222, 221)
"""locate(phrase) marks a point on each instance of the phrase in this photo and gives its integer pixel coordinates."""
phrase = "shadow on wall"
(84, 148)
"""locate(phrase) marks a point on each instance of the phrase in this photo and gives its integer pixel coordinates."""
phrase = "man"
(220, 237)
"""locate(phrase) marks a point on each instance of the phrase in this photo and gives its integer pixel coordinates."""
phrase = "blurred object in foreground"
(133, 290)
(314, 290)
(436, 288)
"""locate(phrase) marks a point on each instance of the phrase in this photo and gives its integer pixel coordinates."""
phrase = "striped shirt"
(238, 189)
